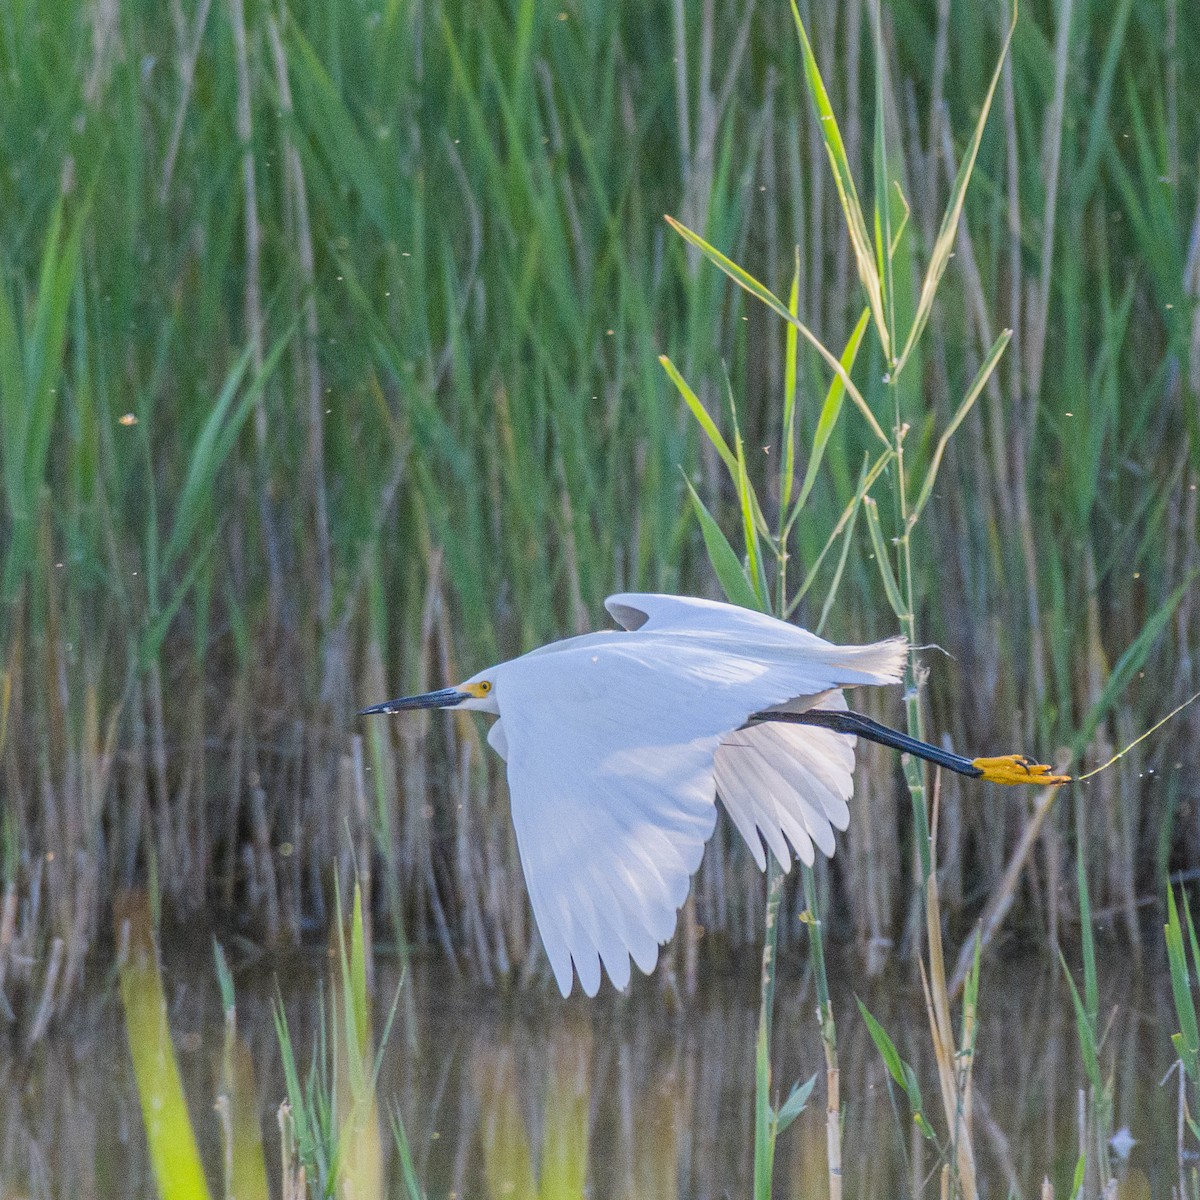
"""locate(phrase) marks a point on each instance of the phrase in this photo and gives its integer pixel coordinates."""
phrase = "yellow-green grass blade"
(747, 281)
(943, 245)
(245, 1163)
(790, 348)
(832, 408)
(174, 1156)
(844, 526)
(725, 563)
(856, 225)
(981, 377)
(564, 1165)
(883, 559)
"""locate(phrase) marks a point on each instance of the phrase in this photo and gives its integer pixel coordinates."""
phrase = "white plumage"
(617, 744)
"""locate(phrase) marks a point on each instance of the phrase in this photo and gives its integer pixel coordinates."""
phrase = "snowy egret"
(618, 742)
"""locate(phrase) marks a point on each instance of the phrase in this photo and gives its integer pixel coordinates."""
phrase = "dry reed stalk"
(872, 865)
(8, 927)
(968, 262)
(1124, 845)
(224, 1110)
(1002, 895)
(1036, 327)
(363, 873)
(252, 301)
(691, 946)
(833, 1122)
(948, 1085)
(45, 1008)
(187, 76)
(499, 898)
(292, 1186)
(264, 861)
(308, 379)
(384, 777)
(580, 621)
(245, 134)
(238, 754)
(467, 874)
(773, 268)
(955, 1087)
(106, 31)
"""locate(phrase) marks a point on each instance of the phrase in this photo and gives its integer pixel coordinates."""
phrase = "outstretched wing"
(788, 785)
(610, 744)
(612, 801)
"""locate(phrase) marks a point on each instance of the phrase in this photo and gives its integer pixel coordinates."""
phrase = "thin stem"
(833, 1115)
(764, 1117)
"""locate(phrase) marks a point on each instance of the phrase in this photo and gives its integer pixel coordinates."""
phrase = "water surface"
(617, 1097)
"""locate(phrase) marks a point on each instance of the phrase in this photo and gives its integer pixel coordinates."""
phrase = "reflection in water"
(611, 1098)
(508, 1165)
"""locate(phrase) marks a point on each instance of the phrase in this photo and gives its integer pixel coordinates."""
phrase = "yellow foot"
(1016, 768)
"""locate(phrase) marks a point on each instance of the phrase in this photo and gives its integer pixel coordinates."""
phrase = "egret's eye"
(484, 688)
(478, 690)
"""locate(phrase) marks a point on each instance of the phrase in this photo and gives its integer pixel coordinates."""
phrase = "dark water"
(617, 1097)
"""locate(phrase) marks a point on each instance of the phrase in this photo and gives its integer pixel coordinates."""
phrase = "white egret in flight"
(619, 742)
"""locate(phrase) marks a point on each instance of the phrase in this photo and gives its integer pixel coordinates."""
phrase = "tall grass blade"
(788, 430)
(747, 281)
(748, 505)
(943, 245)
(979, 383)
(728, 567)
(831, 409)
(883, 559)
(217, 438)
(843, 177)
(174, 1155)
(1187, 1040)
(1131, 662)
(697, 409)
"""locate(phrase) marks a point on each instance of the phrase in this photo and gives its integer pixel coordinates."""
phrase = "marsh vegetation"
(343, 349)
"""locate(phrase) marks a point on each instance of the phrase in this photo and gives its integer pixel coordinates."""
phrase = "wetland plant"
(759, 578)
(331, 1140)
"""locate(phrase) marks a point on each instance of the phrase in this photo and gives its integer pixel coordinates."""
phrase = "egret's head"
(477, 693)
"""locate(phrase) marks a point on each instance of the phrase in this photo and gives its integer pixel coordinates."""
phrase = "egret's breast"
(498, 739)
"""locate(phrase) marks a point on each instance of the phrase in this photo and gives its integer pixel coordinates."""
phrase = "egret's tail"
(880, 662)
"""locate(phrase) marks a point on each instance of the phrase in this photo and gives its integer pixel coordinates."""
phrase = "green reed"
(329, 1122)
(911, 489)
(394, 408)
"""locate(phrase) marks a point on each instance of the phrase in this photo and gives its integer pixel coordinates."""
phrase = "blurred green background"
(329, 345)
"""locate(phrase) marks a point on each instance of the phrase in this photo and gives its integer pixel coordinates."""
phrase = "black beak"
(446, 698)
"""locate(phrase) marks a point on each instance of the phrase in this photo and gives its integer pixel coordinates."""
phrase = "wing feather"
(773, 778)
(614, 750)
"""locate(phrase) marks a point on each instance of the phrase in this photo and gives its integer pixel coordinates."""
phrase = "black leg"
(864, 727)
